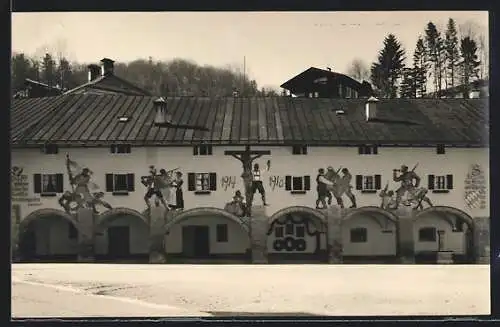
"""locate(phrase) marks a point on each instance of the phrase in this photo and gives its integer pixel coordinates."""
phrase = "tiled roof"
(109, 84)
(94, 120)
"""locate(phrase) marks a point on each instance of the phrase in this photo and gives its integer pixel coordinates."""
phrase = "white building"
(118, 137)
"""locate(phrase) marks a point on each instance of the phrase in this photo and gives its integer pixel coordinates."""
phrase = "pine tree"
(452, 53)
(409, 83)
(434, 51)
(420, 66)
(469, 64)
(386, 72)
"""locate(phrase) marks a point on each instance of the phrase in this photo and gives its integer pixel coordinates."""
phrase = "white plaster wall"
(377, 244)
(139, 235)
(238, 241)
(52, 237)
(453, 241)
(100, 161)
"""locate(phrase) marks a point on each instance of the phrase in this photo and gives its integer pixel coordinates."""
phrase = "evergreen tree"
(20, 70)
(65, 78)
(452, 53)
(409, 83)
(420, 67)
(49, 70)
(386, 72)
(469, 63)
(434, 48)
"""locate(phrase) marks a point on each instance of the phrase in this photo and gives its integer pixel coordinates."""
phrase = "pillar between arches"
(86, 236)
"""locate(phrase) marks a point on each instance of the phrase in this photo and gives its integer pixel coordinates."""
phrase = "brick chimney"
(107, 66)
(94, 72)
(161, 116)
(371, 108)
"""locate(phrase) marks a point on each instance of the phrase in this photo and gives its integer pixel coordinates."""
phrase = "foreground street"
(85, 290)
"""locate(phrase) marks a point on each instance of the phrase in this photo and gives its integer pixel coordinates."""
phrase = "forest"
(456, 56)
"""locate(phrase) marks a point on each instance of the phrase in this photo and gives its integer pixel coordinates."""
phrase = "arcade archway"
(369, 235)
(48, 235)
(207, 235)
(297, 235)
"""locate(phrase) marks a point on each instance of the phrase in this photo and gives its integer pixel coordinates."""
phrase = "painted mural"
(252, 176)
(294, 233)
(19, 188)
(331, 184)
(84, 193)
(237, 206)
(409, 193)
(165, 186)
(475, 188)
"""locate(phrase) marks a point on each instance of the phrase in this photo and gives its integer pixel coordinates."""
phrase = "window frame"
(203, 150)
(50, 149)
(111, 182)
(361, 183)
(222, 233)
(57, 182)
(299, 150)
(368, 149)
(290, 184)
(440, 183)
(424, 239)
(193, 183)
(120, 149)
(362, 239)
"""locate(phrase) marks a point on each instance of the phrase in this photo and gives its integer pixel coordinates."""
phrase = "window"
(202, 183)
(120, 184)
(440, 149)
(289, 229)
(359, 235)
(48, 184)
(50, 149)
(72, 232)
(202, 150)
(222, 234)
(368, 149)
(440, 184)
(299, 149)
(298, 184)
(368, 183)
(427, 234)
(300, 231)
(278, 231)
(120, 148)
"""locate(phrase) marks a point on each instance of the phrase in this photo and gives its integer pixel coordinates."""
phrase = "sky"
(275, 46)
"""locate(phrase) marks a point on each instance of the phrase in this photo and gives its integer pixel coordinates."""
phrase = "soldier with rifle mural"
(410, 183)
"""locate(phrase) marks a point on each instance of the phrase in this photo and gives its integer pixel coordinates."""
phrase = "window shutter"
(360, 150)
(359, 182)
(213, 181)
(59, 183)
(131, 182)
(378, 182)
(195, 150)
(191, 181)
(307, 183)
(375, 149)
(431, 182)
(113, 148)
(209, 151)
(449, 182)
(37, 183)
(304, 149)
(109, 183)
(288, 183)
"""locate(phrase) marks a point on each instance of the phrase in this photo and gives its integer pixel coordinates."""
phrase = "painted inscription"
(228, 182)
(276, 182)
(20, 188)
(475, 188)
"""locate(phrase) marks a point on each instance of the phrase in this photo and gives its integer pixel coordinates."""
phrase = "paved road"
(83, 290)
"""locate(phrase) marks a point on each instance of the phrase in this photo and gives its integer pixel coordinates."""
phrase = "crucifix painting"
(252, 178)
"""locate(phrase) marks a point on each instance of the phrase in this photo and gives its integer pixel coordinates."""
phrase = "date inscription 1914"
(228, 182)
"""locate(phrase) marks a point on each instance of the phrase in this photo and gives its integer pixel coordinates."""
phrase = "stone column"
(481, 240)
(405, 235)
(258, 225)
(334, 234)
(158, 217)
(86, 240)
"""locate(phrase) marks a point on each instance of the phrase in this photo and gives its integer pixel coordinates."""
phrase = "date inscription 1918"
(276, 182)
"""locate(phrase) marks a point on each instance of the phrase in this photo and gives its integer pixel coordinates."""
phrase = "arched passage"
(207, 235)
(369, 235)
(122, 234)
(297, 235)
(48, 235)
(443, 229)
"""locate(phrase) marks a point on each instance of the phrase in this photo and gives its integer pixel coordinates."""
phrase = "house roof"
(89, 120)
(309, 75)
(109, 83)
(29, 81)
(460, 88)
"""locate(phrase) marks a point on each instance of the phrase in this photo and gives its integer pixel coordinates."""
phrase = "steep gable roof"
(109, 84)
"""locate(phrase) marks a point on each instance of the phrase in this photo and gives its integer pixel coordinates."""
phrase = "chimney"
(107, 66)
(94, 72)
(329, 69)
(161, 117)
(371, 108)
(474, 94)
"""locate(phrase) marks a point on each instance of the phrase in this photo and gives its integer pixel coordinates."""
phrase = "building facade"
(407, 186)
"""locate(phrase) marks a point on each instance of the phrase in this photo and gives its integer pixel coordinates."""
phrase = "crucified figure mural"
(251, 180)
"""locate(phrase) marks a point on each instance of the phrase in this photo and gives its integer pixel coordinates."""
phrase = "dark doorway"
(118, 241)
(196, 241)
(27, 243)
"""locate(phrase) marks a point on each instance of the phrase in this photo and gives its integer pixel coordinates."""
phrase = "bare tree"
(359, 70)
(477, 32)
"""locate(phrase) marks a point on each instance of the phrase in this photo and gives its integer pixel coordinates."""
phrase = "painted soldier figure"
(322, 189)
(257, 184)
(154, 183)
(406, 178)
(346, 187)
